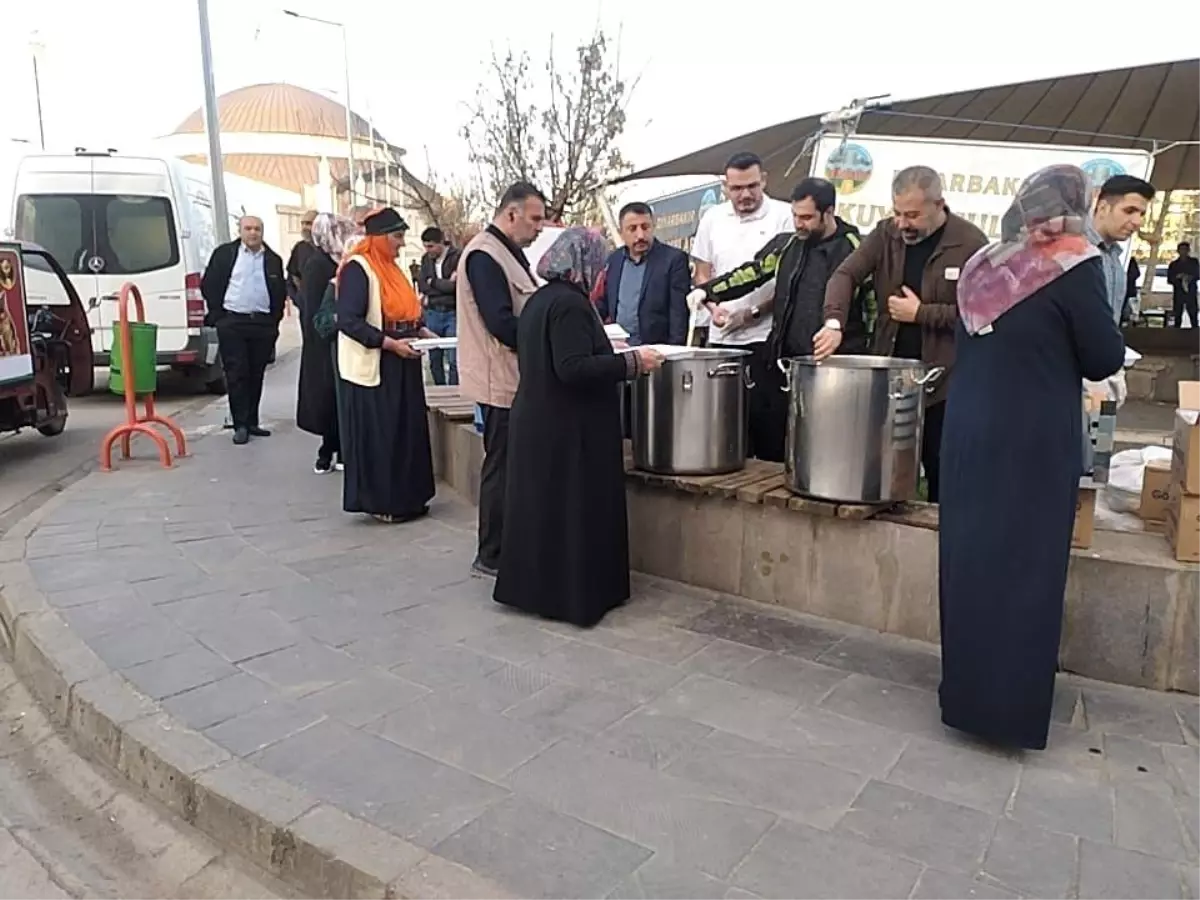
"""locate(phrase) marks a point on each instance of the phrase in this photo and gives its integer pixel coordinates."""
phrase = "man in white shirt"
(244, 288)
(727, 236)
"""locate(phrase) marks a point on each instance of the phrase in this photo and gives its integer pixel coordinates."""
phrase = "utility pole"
(35, 48)
(212, 127)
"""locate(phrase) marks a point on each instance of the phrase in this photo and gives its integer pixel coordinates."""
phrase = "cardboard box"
(1185, 461)
(1085, 518)
(1183, 525)
(1156, 490)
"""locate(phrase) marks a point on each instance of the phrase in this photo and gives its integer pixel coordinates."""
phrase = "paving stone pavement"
(690, 746)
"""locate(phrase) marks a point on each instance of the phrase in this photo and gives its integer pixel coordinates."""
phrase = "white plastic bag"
(1126, 471)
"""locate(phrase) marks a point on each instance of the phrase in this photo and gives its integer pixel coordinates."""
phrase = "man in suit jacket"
(646, 283)
(245, 291)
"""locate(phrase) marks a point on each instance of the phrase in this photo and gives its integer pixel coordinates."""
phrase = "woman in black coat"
(316, 398)
(566, 555)
(1034, 323)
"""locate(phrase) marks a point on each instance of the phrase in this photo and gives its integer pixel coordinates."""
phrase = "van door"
(64, 225)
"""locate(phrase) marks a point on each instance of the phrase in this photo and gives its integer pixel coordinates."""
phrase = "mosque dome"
(278, 133)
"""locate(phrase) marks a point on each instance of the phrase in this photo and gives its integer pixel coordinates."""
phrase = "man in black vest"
(245, 291)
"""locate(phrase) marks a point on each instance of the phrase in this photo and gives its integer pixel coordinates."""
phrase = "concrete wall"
(1131, 610)
(1156, 377)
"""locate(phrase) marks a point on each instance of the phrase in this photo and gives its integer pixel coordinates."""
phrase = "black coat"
(1010, 467)
(316, 407)
(566, 554)
(215, 281)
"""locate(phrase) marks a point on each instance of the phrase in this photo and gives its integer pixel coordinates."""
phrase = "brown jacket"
(881, 255)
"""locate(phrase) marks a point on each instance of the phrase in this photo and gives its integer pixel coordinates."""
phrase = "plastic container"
(143, 338)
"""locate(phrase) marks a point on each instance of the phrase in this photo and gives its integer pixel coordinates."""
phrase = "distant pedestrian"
(245, 289)
(389, 464)
(437, 280)
(494, 281)
(1183, 274)
(316, 396)
(301, 251)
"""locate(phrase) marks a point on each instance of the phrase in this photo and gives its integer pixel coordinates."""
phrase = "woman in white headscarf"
(316, 399)
(1034, 321)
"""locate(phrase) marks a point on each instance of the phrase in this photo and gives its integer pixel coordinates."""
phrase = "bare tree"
(453, 205)
(559, 134)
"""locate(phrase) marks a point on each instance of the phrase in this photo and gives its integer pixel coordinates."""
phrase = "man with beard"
(800, 262)
(914, 260)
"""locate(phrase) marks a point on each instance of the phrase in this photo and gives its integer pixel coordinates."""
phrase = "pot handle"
(785, 366)
(930, 377)
(722, 370)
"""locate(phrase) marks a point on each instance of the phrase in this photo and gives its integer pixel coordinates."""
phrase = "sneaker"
(339, 465)
(323, 466)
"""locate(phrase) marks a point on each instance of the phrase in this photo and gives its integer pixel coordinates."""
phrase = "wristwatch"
(755, 313)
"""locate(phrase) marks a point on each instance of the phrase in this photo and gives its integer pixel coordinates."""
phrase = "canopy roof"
(1135, 107)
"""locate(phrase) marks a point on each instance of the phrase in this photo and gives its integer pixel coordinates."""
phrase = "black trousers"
(247, 342)
(767, 404)
(1182, 303)
(492, 479)
(931, 449)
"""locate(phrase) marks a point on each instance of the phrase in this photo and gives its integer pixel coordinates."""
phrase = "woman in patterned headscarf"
(567, 556)
(1034, 321)
(316, 398)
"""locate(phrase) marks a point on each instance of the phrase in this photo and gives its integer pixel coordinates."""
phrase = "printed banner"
(16, 362)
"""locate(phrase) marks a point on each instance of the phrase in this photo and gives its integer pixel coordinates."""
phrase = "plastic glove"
(695, 300)
(1111, 388)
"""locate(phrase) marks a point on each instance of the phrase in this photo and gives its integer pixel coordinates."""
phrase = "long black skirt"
(389, 464)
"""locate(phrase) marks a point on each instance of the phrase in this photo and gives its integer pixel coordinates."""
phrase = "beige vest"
(356, 363)
(487, 370)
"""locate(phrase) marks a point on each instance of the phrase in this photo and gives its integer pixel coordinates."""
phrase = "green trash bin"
(143, 338)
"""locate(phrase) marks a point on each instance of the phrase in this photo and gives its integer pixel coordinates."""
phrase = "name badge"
(951, 273)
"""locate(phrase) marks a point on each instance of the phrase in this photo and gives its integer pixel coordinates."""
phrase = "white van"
(109, 219)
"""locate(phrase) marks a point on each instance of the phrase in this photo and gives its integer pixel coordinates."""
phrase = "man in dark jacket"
(436, 281)
(914, 260)
(646, 283)
(245, 290)
(801, 263)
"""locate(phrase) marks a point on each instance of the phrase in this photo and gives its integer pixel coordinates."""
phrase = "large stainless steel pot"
(854, 427)
(689, 416)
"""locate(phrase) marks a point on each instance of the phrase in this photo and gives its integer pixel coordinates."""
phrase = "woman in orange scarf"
(385, 444)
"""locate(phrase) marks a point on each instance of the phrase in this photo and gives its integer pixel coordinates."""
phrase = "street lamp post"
(35, 47)
(212, 127)
(349, 114)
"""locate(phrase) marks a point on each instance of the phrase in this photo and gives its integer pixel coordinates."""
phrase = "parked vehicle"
(45, 348)
(111, 218)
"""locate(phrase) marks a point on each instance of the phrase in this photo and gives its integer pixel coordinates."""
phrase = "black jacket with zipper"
(800, 269)
(439, 292)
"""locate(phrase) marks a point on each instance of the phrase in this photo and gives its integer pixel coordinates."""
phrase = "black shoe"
(323, 466)
(241, 436)
(255, 431)
(479, 567)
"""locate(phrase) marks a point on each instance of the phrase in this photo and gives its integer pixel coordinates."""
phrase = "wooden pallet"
(760, 482)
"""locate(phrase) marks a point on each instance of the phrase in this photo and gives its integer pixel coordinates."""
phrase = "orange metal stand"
(135, 423)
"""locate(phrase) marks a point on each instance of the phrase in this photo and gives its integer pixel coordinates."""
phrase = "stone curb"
(312, 846)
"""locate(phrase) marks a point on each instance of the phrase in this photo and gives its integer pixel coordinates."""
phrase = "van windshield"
(99, 234)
